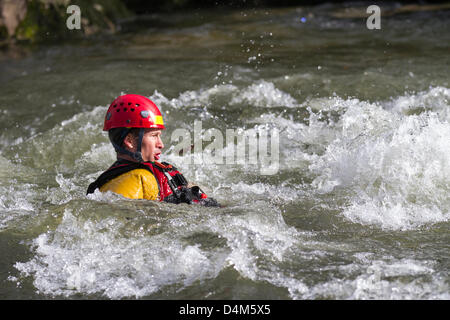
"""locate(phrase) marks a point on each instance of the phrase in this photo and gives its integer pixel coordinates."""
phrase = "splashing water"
(359, 207)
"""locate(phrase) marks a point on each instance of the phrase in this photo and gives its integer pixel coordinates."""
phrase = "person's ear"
(128, 142)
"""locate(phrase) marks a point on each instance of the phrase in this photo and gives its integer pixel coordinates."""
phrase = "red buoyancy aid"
(156, 168)
(171, 183)
(164, 172)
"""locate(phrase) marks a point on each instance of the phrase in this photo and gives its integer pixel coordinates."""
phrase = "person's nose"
(160, 144)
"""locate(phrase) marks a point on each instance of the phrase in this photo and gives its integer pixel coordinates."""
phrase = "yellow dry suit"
(151, 181)
(135, 184)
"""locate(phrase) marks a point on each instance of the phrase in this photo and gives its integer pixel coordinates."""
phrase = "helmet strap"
(135, 155)
(141, 136)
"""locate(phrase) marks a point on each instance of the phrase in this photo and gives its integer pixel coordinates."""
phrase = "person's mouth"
(157, 156)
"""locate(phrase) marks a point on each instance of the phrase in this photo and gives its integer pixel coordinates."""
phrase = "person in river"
(134, 124)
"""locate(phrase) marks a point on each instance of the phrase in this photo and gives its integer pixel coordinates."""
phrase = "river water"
(358, 207)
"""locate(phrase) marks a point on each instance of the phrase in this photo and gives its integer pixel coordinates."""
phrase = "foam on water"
(68, 139)
(435, 99)
(16, 201)
(359, 208)
(261, 94)
(202, 97)
(260, 244)
(92, 257)
(393, 165)
(397, 166)
(17, 198)
(264, 94)
(387, 279)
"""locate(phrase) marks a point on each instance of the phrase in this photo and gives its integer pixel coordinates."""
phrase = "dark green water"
(358, 209)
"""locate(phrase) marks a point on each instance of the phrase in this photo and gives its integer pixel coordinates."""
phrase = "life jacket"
(172, 184)
(167, 176)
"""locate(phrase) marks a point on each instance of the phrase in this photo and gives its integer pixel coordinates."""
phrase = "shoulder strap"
(164, 166)
(118, 168)
(175, 179)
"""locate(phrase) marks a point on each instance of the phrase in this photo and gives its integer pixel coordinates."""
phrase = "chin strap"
(135, 155)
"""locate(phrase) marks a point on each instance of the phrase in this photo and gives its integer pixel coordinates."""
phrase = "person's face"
(151, 145)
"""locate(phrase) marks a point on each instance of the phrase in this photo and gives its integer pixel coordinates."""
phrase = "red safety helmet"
(133, 111)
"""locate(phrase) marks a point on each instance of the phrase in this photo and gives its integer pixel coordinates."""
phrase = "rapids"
(358, 208)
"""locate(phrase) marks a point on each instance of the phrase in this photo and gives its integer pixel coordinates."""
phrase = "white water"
(392, 165)
(395, 165)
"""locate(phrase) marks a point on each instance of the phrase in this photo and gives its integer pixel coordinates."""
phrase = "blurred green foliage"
(45, 20)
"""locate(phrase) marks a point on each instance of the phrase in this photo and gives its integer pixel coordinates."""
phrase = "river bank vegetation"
(44, 21)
